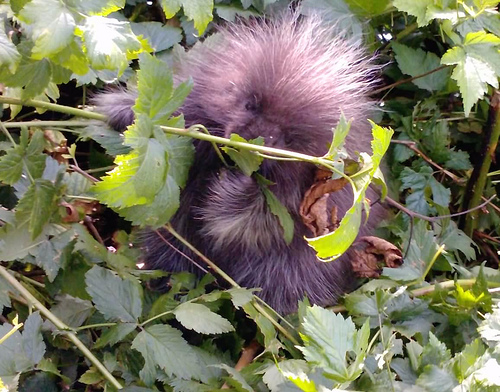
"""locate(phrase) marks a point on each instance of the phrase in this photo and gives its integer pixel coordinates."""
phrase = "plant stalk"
(482, 171)
(63, 328)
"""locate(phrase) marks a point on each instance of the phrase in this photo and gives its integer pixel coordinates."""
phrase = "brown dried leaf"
(314, 206)
(368, 261)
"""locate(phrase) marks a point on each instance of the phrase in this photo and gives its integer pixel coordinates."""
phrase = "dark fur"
(286, 81)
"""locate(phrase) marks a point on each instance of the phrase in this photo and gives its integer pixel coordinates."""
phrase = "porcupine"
(287, 80)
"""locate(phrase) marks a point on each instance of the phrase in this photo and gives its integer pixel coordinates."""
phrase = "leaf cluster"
(77, 313)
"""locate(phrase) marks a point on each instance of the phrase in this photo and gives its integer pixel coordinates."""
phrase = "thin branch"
(433, 219)
(412, 146)
(84, 173)
(390, 86)
(480, 173)
(54, 107)
(63, 328)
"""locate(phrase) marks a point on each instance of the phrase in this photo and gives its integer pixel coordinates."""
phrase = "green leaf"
(434, 379)
(434, 352)
(164, 346)
(73, 312)
(159, 211)
(333, 245)
(157, 98)
(200, 11)
(160, 37)
(116, 298)
(50, 25)
(418, 8)
(33, 344)
(201, 319)
(477, 65)
(12, 356)
(328, 337)
(423, 246)
(11, 165)
(109, 43)
(415, 62)
(114, 335)
(247, 161)
(280, 211)
(37, 206)
(33, 76)
(9, 56)
(99, 7)
(140, 174)
(108, 138)
(336, 13)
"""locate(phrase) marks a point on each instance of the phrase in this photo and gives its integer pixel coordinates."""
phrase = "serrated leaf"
(423, 246)
(201, 319)
(164, 346)
(236, 380)
(109, 43)
(138, 177)
(200, 11)
(36, 206)
(434, 379)
(12, 356)
(99, 7)
(247, 161)
(477, 65)
(333, 245)
(108, 138)
(416, 8)
(336, 13)
(328, 337)
(275, 377)
(158, 212)
(33, 344)
(116, 298)
(415, 62)
(33, 76)
(50, 25)
(72, 311)
(157, 99)
(240, 297)
(160, 37)
(11, 165)
(280, 211)
(115, 334)
(9, 56)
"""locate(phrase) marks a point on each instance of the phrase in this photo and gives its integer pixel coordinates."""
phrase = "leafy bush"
(78, 314)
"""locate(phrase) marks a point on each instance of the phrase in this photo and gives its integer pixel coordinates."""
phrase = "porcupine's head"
(286, 79)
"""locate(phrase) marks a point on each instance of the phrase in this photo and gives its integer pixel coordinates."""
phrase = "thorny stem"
(478, 186)
(63, 328)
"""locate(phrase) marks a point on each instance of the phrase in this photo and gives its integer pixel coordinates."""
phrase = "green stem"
(54, 107)
(480, 184)
(52, 124)
(269, 151)
(434, 258)
(63, 328)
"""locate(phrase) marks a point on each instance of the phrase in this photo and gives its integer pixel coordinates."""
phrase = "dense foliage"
(77, 313)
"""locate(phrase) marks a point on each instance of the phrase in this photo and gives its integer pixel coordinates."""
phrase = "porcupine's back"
(286, 80)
